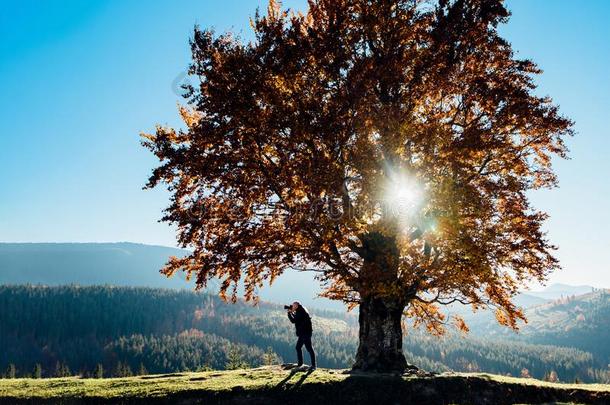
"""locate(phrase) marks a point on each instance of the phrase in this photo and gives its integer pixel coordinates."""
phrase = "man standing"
(302, 322)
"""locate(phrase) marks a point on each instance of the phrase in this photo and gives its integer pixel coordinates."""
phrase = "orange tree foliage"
(291, 139)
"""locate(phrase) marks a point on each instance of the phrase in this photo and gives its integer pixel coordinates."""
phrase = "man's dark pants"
(305, 340)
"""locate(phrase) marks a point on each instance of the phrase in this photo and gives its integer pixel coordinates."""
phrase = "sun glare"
(402, 195)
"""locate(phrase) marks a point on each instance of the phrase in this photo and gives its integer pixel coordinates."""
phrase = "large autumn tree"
(387, 145)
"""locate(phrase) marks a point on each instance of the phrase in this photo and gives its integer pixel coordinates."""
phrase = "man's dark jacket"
(302, 321)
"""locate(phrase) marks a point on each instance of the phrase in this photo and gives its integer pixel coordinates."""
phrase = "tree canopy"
(387, 145)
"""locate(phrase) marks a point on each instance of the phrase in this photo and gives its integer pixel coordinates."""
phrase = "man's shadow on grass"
(283, 384)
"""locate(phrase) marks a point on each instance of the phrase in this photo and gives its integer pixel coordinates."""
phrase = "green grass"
(276, 385)
(159, 385)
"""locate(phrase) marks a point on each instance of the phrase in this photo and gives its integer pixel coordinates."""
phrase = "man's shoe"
(312, 368)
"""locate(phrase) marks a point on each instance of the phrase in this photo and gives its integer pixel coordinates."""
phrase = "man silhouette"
(302, 322)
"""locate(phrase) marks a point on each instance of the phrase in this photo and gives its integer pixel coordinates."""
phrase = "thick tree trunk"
(380, 347)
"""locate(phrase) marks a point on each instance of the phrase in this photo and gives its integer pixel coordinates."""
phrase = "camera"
(287, 306)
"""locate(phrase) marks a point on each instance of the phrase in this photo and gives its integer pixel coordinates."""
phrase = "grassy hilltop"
(276, 385)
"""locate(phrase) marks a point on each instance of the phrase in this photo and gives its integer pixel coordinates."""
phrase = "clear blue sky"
(79, 80)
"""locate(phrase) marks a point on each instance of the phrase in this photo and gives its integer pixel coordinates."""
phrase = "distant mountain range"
(120, 264)
(550, 293)
(132, 264)
(556, 291)
(129, 264)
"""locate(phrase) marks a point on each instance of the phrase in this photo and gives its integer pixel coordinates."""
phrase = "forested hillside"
(121, 330)
(580, 321)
